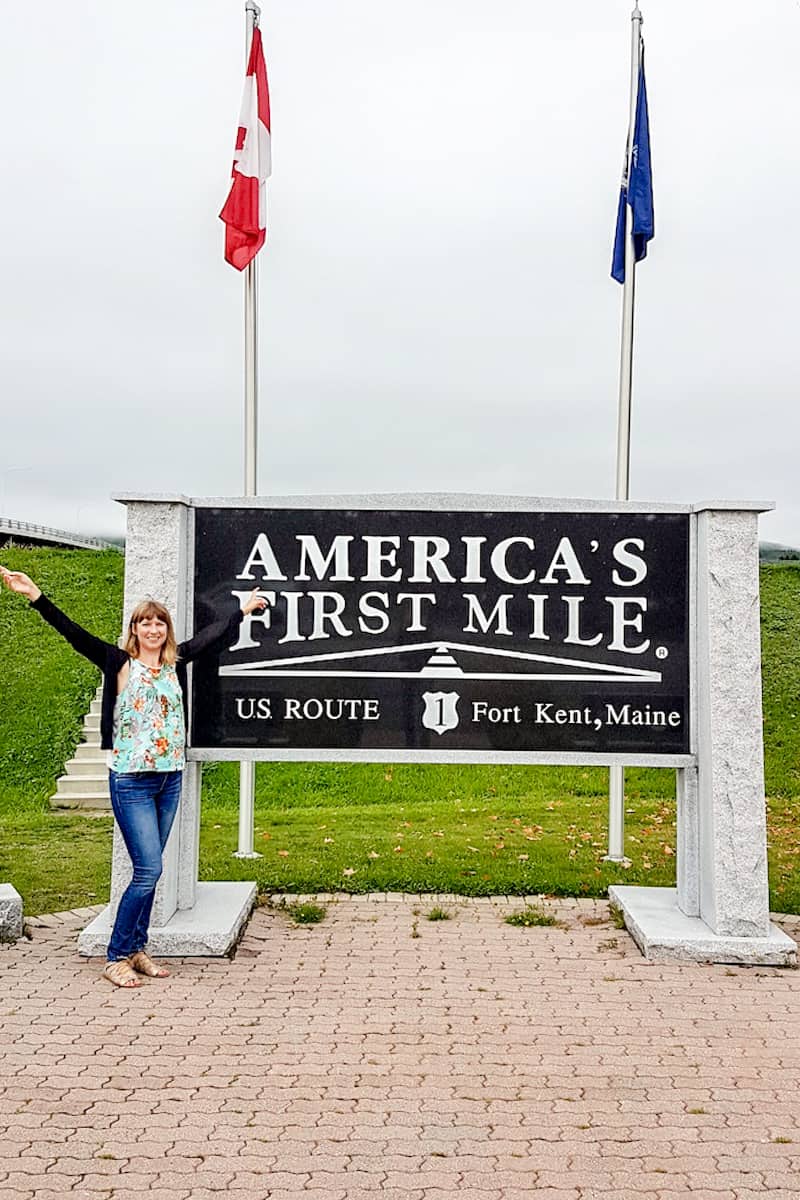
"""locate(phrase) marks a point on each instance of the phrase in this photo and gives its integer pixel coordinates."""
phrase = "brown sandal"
(143, 963)
(121, 974)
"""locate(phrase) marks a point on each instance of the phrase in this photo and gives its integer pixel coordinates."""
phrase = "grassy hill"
(46, 686)
(474, 830)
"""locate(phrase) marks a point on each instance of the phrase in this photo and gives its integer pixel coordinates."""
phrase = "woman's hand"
(254, 601)
(19, 582)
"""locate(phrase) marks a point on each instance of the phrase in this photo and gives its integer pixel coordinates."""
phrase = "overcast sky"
(436, 307)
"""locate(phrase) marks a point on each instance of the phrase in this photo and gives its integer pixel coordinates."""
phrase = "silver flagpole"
(616, 781)
(247, 772)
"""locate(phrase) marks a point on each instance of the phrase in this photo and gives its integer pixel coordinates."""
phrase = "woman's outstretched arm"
(91, 647)
(219, 633)
(20, 583)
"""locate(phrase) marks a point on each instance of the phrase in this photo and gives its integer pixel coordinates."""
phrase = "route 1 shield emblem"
(440, 711)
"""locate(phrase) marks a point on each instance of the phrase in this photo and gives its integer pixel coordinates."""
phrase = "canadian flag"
(245, 210)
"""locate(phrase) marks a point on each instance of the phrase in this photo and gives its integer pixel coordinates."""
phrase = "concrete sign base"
(207, 930)
(665, 934)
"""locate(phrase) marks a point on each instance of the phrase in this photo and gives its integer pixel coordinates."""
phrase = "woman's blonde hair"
(144, 611)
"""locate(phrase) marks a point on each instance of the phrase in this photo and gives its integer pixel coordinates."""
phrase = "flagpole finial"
(251, 6)
(636, 15)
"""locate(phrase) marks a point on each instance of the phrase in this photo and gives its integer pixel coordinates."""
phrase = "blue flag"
(637, 190)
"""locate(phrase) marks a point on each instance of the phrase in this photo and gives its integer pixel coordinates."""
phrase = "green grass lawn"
(329, 827)
(472, 830)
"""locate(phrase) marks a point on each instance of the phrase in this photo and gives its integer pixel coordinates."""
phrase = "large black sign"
(445, 631)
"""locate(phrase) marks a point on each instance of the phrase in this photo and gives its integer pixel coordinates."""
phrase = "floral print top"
(149, 727)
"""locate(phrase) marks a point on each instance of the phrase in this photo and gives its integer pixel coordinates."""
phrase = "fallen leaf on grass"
(327, 841)
(373, 854)
(348, 871)
(283, 853)
(398, 849)
(522, 857)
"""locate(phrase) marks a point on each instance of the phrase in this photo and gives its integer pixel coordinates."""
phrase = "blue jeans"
(144, 804)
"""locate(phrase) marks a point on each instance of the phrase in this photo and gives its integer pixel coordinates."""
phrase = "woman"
(143, 725)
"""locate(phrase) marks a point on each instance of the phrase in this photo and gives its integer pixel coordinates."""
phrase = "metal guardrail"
(48, 533)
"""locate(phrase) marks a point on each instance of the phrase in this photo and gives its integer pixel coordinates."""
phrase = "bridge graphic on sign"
(439, 660)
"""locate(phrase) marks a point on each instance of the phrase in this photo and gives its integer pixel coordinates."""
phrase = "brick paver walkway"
(383, 1055)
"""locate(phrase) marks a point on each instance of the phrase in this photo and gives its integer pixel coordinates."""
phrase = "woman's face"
(151, 632)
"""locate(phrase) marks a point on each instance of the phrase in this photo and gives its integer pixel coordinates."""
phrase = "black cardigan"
(110, 659)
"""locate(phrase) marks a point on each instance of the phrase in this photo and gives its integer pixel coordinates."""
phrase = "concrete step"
(93, 782)
(81, 767)
(89, 750)
(84, 784)
(82, 800)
